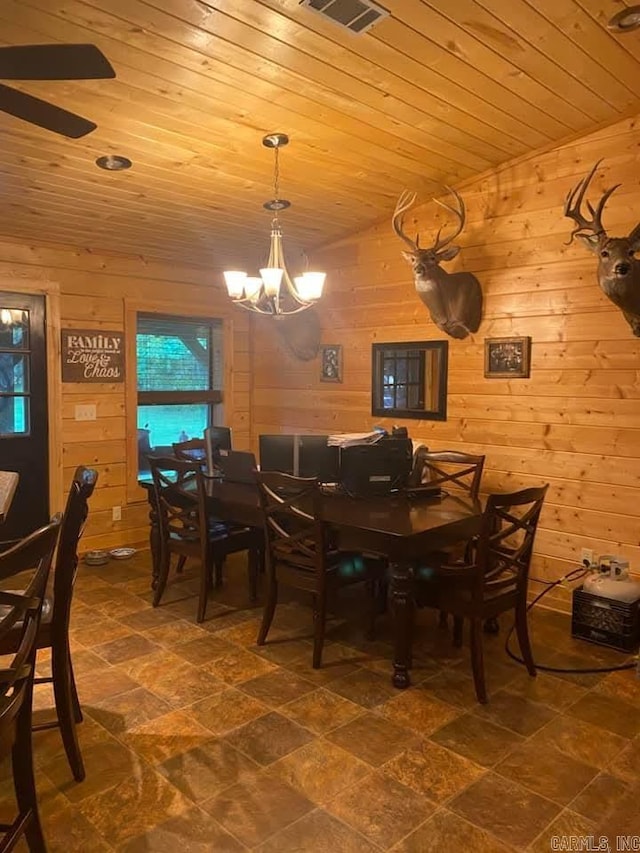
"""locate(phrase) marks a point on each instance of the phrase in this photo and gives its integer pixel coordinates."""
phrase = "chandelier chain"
(276, 176)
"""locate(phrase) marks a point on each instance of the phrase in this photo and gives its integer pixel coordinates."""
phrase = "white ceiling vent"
(357, 16)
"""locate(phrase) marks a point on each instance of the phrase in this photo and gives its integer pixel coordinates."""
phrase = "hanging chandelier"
(274, 292)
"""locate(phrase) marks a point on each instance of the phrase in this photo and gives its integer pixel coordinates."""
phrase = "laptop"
(237, 466)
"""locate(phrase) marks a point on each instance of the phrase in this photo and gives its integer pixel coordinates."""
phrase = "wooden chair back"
(455, 471)
(66, 563)
(295, 537)
(180, 500)
(34, 555)
(505, 544)
(193, 450)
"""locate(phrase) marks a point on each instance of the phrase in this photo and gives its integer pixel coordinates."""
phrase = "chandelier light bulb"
(252, 285)
(309, 285)
(235, 280)
(272, 278)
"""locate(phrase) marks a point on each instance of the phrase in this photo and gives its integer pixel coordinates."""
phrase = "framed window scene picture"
(331, 363)
(507, 358)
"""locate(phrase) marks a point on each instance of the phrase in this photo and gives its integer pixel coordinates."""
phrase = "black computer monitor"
(276, 453)
(376, 469)
(317, 459)
(216, 438)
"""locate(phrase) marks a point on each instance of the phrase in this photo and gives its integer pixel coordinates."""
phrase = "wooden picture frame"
(507, 358)
(331, 363)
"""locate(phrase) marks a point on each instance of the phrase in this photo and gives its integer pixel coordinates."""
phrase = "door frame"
(51, 292)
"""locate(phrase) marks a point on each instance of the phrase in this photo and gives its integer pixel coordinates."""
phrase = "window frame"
(378, 351)
(135, 493)
(26, 351)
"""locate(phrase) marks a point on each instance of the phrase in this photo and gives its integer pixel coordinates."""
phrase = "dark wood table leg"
(403, 606)
(154, 542)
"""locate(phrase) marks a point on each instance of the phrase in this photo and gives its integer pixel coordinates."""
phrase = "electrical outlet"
(86, 412)
(116, 513)
(586, 557)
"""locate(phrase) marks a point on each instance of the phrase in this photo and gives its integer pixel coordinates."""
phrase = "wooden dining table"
(402, 528)
(8, 485)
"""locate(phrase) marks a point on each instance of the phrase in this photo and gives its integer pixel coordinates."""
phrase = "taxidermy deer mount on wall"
(454, 299)
(301, 333)
(618, 268)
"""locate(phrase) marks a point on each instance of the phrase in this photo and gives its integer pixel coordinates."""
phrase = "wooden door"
(23, 410)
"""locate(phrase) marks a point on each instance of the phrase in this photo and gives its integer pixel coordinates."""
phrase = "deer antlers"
(593, 227)
(407, 200)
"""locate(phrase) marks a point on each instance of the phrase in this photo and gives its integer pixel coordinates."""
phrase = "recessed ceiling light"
(113, 163)
(625, 21)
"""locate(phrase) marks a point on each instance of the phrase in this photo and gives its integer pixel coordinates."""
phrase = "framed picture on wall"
(331, 363)
(507, 358)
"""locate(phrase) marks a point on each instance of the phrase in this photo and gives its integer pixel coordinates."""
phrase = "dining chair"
(187, 530)
(192, 450)
(53, 632)
(457, 472)
(460, 473)
(20, 613)
(496, 580)
(301, 555)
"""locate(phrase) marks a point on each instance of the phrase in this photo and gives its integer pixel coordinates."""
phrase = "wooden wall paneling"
(574, 422)
(315, 104)
(89, 290)
(403, 51)
(437, 92)
(508, 64)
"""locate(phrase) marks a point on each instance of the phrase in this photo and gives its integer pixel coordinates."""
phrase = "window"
(180, 370)
(410, 380)
(15, 355)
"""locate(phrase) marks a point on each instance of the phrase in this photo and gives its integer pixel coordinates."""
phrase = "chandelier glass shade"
(274, 292)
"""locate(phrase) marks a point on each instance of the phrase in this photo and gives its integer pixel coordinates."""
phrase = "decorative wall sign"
(92, 356)
(507, 358)
(331, 363)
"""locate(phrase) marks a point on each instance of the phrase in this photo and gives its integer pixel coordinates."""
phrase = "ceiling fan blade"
(43, 114)
(54, 62)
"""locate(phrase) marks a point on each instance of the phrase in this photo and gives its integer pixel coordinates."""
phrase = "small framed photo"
(331, 363)
(507, 358)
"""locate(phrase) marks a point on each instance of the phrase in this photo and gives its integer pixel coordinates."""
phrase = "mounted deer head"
(454, 299)
(618, 268)
(301, 333)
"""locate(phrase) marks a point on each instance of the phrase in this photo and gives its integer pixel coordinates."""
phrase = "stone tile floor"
(195, 739)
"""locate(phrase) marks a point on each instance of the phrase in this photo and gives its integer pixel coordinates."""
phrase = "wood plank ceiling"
(441, 90)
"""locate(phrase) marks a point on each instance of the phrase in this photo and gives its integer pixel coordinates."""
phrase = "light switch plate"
(86, 412)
